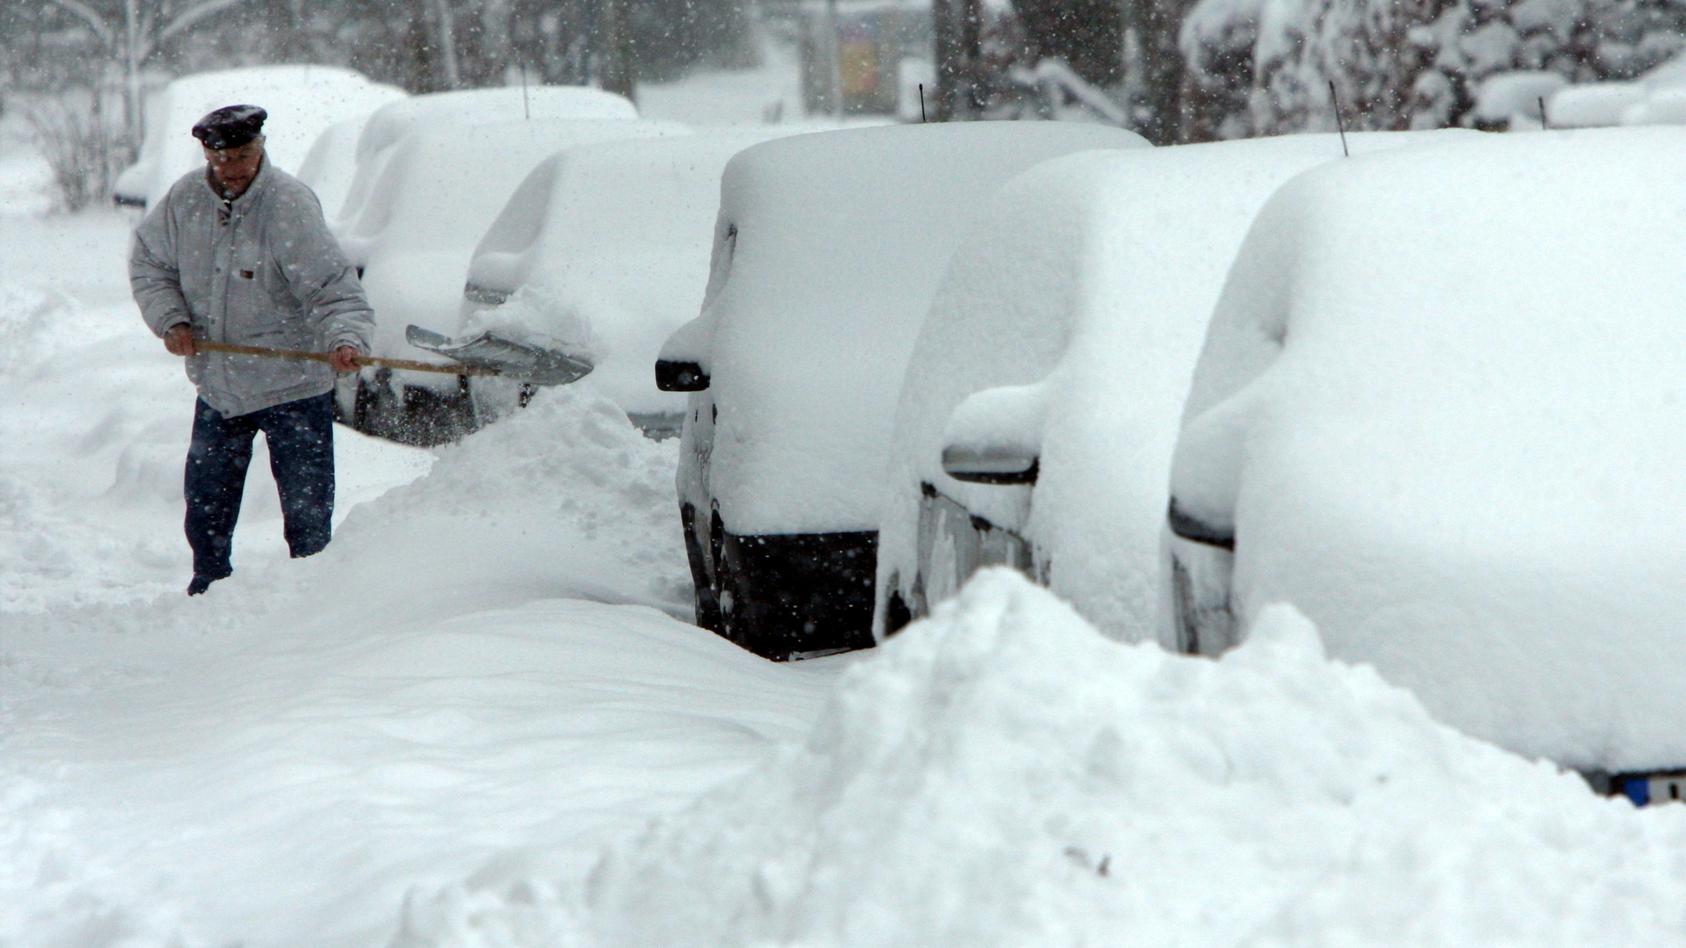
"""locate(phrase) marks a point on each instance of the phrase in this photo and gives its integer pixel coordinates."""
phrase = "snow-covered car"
(1439, 410)
(1041, 400)
(604, 249)
(465, 109)
(826, 252)
(301, 102)
(439, 189)
(331, 163)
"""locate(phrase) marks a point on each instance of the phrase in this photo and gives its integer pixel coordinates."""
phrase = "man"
(239, 253)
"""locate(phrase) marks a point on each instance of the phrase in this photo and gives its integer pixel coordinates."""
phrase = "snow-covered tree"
(128, 32)
(1265, 66)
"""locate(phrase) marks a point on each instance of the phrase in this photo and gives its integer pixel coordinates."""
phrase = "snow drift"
(1003, 774)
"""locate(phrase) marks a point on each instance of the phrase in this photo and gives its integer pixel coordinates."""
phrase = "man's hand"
(179, 340)
(343, 359)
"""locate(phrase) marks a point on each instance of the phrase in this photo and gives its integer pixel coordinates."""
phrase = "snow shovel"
(516, 360)
(484, 355)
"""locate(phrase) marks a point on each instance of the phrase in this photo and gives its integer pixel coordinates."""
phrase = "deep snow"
(483, 664)
(456, 725)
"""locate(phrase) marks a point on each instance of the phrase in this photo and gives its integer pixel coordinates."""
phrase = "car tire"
(743, 621)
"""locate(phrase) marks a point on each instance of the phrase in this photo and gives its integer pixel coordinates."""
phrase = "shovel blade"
(516, 360)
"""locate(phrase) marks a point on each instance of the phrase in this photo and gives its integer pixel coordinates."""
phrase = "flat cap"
(230, 126)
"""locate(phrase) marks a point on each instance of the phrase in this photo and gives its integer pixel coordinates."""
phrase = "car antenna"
(1544, 125)
(1335, 97)
(526, 110)
(922, 119)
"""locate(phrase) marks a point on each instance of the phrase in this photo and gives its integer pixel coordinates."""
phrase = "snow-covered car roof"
(474, 107)
(606, 246)
(1081, 297)
(301, 102)
(466, 109)
(1440, 406)
(826, 253)
(438, 192)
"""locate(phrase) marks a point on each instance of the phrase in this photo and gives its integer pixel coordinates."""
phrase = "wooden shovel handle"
(299, 354)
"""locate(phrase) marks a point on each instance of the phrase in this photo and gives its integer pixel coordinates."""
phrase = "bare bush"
(82, 145)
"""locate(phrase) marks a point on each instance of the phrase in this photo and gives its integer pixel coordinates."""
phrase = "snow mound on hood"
(1004, 775)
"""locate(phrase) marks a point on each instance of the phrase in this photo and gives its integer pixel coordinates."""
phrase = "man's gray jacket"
(260, 270)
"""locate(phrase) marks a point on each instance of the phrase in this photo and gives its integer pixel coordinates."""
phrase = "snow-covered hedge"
(1264, 66)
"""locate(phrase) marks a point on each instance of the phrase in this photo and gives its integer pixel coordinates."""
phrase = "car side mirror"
(1206, 473)
(1199, 530)
(680, 376)
(990, 464)
(995, 436)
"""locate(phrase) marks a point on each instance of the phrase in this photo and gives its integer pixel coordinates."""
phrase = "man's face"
(234, 168)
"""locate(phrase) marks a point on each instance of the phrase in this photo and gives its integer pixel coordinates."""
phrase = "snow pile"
(471, 667)
(1002, 774)
(566, 487)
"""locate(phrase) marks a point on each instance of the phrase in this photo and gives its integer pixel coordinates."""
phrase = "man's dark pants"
(300, 435)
